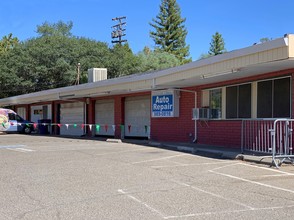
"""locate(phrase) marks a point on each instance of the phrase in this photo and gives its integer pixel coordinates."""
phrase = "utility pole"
(118, 30)
(77, 82)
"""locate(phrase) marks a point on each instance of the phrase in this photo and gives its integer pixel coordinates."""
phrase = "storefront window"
(238, 101)
(215, 103)
(273, 99)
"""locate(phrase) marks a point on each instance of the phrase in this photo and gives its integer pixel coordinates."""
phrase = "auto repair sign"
(164, 104)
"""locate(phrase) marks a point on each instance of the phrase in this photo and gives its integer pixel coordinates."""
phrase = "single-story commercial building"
(205, 101)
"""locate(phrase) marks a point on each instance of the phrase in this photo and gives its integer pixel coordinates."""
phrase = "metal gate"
(269, 136)
(256, 136)
(282, 139)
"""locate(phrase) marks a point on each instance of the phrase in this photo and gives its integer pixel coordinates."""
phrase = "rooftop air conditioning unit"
(97, 74)
(201, 113)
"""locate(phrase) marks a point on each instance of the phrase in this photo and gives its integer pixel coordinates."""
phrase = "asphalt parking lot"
(62, 178)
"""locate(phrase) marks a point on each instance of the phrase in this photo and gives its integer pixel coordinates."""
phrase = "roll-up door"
(104, 117)
(137, 116)
(72, 118)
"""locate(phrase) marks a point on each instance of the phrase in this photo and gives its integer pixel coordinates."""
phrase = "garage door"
(137, 116)
(104, 117)
(72, 114)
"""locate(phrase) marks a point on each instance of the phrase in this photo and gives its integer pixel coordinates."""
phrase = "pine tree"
(217, 45)
(170, 33)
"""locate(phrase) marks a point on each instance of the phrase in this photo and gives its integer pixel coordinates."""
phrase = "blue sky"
(241, 23)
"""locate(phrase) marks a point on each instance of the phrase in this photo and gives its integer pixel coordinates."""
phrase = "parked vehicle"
(10, 121)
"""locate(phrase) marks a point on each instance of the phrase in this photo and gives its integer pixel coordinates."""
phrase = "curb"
(267, 160)
(112, 140)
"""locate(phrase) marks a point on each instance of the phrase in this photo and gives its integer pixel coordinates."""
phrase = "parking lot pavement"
(63, 178)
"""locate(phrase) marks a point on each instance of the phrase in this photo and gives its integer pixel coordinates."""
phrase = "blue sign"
(162, 106)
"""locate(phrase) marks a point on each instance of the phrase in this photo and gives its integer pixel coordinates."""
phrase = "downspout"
(195, 106)
(195, 121)
(85, 116)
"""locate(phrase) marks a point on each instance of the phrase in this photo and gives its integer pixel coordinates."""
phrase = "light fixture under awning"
(210, 75)
(66, 96)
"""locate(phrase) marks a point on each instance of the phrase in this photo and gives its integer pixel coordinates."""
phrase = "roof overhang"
(258, 59)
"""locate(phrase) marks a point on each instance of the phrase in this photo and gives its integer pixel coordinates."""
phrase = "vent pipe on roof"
(97, 74)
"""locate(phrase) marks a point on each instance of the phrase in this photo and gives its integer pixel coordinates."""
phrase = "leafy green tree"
(49, 61)
(204, 56)
(217, 45)
(122, 61)
(265, 39)
(170, 33)
(156, 60)
(14, 70)
(89, 53)
(53, 61)
(8, 42)
(60, 28)
(146, 50)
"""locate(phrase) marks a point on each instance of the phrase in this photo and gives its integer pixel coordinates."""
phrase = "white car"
(10, 121)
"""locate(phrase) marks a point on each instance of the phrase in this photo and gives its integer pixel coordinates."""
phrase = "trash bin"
(44, 126)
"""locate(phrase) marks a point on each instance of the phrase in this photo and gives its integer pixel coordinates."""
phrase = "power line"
(118, 30)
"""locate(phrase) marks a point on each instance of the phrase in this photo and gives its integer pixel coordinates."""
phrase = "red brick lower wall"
(177, 129)
(220, 133)
(214, 132)
(172, 129)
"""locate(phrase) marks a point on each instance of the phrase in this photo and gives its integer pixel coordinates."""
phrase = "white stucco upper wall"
(291, 45)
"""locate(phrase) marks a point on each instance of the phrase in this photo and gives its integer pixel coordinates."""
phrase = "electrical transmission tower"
(118, 30)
